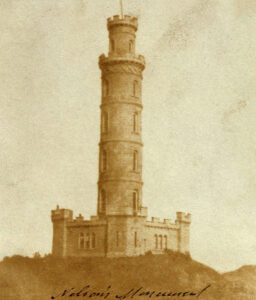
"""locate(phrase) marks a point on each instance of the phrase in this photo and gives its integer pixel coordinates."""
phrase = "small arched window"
(160, 241)
(135, 88)
(103, 201)
(165, 242)
(135, 160)
(81, 241)
(87, 241)
(130, 45)
(135, 239)
(104, 122)
(105, 88)
(104, 161)
(112, 45)
(156, 241)
(135, 200)
(135, 122)
(93, 240)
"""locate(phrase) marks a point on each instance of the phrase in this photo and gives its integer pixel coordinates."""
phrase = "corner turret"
(183, 220)
(182, 217)
(60, 217)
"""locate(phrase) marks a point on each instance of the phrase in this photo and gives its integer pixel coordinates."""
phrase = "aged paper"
(128, 158)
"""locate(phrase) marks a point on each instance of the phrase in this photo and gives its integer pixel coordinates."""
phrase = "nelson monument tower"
(121, 226)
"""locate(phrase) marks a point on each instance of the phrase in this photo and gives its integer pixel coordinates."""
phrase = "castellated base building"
(121, 227)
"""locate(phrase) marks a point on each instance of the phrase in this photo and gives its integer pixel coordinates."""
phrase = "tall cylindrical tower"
(120, 148)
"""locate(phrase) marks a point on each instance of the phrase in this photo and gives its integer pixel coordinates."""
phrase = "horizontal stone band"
(120, 141)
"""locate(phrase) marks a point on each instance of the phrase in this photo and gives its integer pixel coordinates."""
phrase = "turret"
(60, 217)
(122, 35)
(183, 220)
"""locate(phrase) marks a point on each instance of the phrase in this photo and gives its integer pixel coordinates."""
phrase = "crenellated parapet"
(165, 223)
(79, 223)
(122, 35)
(182, 217)
(60, 214)
(117, 20)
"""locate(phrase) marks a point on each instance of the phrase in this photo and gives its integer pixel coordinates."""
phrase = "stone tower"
(121, 227)
(120, 180)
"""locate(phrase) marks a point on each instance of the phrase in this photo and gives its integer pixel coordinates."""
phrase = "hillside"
(169, 276)
(243, 279)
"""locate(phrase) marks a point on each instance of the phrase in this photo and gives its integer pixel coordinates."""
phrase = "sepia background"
(198, 119)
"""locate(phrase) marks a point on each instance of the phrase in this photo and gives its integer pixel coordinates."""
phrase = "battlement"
(118, 20)
(61, 214)
(164, 221)
(80, 221)
(79, 218)
(155, 220)
(168, 221)
(158, 223)
(182, 217)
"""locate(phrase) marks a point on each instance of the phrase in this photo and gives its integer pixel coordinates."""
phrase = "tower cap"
(118, 20)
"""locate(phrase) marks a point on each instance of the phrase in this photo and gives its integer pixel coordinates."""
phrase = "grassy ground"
(169, 276)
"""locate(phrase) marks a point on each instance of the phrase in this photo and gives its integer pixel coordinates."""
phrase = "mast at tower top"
(121, 8)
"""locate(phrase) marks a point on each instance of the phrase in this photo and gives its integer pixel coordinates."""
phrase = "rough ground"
(23, 278)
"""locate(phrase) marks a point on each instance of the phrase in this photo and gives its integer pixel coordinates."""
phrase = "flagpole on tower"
(122, 9)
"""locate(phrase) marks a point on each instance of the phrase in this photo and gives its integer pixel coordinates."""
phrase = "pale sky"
(198, 119)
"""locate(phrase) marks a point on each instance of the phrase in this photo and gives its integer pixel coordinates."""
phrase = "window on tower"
(105, 87)
(104, 161)
(130, 45)
(104, 122)
(103, 201)
(135, 160)
(135, 239)
(112, 45)
(135, 200)
(135, 88)
(135, 122)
